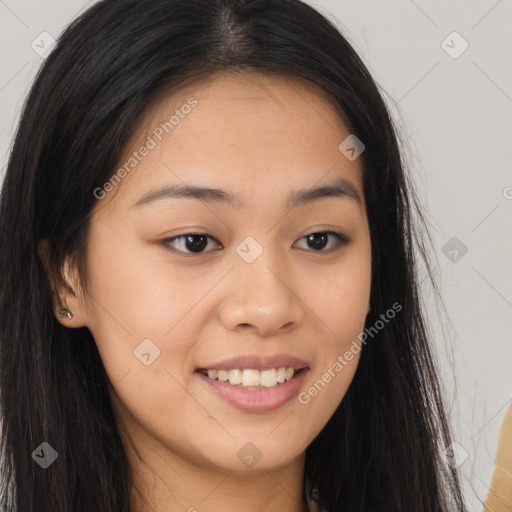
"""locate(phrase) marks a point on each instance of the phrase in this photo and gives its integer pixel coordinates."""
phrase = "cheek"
(334, 367)
(134, 305)
(339, 299)
(339, 294)
(137, 290)
(336, 361)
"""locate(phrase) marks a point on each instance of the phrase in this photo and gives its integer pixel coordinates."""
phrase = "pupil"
(196, 246)
(319, 240)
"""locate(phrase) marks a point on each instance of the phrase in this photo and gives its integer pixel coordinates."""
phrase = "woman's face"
(255, 286)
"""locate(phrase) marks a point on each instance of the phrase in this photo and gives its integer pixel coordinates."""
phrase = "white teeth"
(268, 378)
(252, 378)
(281, 375)
(234, 376)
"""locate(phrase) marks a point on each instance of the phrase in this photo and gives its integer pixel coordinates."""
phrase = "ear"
(65, 288)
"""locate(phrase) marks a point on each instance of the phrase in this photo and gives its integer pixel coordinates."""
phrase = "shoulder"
(499, 496)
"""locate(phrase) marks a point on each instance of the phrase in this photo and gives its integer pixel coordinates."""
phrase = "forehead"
(245, 132)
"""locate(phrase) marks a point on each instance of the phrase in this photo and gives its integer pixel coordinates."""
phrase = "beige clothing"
(499, 497)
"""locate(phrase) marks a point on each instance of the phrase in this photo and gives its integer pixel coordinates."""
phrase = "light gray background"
(456, 116)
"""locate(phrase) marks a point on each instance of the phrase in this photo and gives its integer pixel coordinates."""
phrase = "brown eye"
(319, 240)
(191, 242)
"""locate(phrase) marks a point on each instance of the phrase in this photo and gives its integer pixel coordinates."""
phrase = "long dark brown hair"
(381, 449)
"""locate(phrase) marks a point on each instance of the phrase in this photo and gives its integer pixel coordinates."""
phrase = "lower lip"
(257, 400)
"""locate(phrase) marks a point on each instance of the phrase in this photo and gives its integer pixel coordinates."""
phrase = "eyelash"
(342, 239)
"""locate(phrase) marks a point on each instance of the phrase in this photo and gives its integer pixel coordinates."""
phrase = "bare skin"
(260, 137)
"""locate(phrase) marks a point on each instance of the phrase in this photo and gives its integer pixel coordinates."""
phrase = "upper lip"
(258, 362)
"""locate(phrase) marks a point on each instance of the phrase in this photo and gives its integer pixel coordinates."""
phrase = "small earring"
(66, 313)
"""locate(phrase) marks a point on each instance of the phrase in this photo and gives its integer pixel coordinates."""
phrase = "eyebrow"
(341, 187)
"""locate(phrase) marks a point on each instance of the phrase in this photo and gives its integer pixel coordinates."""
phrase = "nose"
(263, 296)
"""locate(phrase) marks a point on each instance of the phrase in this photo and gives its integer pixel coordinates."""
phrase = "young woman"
(209, 296)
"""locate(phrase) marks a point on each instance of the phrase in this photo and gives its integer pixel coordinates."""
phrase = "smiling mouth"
(252, 378)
